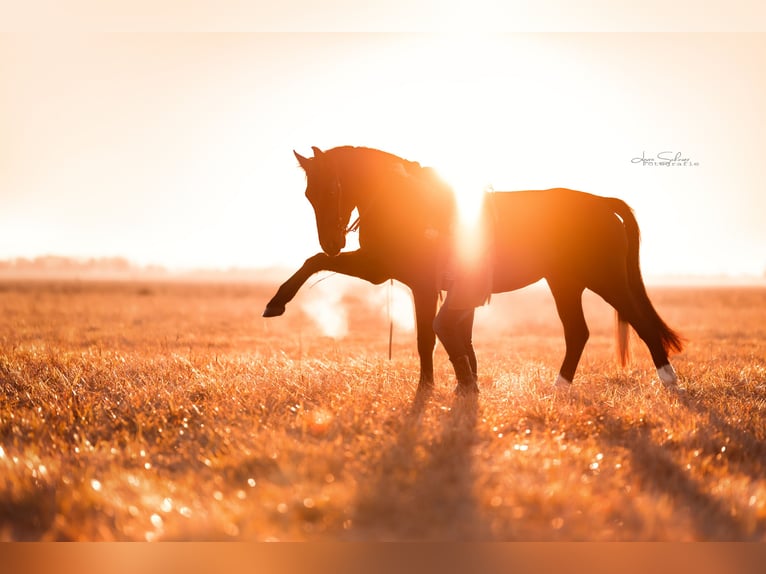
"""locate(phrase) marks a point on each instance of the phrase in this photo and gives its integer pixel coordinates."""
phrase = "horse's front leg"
(352, 263)
(425, 311)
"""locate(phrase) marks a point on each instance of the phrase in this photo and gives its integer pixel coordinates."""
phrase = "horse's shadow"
(423, 488)
(657, 470)
(745, 452)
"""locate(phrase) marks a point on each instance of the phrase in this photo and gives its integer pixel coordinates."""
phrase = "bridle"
(342, 227)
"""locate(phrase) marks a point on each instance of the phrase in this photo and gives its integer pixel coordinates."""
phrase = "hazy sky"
(176, 149)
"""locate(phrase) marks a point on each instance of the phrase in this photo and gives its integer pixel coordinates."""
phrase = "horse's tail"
(671, 341)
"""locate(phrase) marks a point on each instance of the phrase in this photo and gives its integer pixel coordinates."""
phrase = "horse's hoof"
(668, 376)
(425, 387)
(562, 384)
(273, 311)
(422, 394)
(466, 390)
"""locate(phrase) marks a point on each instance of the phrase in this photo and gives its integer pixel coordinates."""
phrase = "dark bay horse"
(574, 240)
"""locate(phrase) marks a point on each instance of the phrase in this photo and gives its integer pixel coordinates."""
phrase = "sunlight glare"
(470, 232)
(469, 192)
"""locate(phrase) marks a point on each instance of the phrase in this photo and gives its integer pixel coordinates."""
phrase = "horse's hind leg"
(568, 297)
(618, 295)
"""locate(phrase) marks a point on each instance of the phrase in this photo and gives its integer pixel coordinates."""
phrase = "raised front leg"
(353, 263)
(425, 311)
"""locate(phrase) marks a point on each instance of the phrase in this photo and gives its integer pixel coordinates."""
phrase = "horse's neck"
(364, 192)
(413, 200)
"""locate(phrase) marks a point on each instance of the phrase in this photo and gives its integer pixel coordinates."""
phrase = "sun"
(469, 189)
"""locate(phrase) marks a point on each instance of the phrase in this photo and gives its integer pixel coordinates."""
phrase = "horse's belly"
(516, 268)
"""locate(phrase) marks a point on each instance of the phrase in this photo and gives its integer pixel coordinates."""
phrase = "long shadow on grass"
(423, 485)
(654, 466)
(744, 451)
(656, 470)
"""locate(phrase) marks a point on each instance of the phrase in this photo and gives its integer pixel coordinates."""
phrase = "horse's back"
(543, 232)
(552, 202)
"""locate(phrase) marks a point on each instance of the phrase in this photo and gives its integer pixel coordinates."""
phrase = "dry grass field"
(166, 411)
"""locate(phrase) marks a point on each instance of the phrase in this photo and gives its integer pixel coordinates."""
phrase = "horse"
(406, 213)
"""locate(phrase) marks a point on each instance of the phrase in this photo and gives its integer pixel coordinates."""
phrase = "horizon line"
(62, 267)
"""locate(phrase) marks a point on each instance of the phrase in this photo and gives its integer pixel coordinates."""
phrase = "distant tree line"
(61, 264)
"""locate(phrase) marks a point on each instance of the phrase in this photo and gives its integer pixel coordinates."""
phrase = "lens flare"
(469, 192)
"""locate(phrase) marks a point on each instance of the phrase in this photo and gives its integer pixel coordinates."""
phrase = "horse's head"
(332, 207)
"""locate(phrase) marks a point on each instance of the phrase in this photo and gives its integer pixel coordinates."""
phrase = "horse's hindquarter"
(542, 233)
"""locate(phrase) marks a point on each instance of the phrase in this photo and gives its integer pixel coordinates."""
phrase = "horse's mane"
(371, 159)
(372, 156)
(425, 196)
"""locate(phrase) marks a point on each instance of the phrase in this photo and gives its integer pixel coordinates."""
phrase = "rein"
(354, 225)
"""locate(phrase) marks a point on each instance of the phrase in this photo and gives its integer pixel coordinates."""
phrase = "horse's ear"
(303, 161)
(317, 151)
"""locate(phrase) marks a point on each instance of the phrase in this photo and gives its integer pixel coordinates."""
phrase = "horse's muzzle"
(332, 248)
